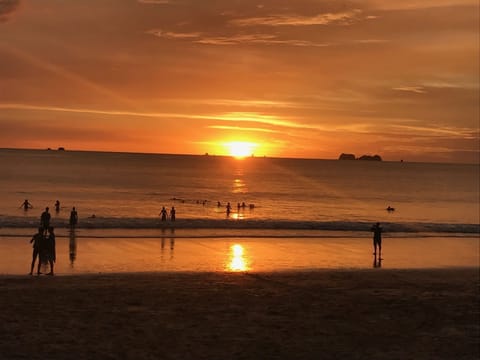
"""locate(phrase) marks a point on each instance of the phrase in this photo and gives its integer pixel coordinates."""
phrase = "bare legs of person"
(51, 267)
(34, 258)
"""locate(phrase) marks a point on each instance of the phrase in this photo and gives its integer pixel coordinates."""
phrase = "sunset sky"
(294, 78)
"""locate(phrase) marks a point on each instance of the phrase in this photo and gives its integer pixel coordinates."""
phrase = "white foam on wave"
(155, 223)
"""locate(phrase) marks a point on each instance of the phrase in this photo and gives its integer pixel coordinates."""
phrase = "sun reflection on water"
(238, 261)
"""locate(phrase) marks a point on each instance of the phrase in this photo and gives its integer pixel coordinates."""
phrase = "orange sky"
(298, 78)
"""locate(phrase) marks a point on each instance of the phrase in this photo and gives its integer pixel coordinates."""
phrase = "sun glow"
(238, 261)
(241, 149)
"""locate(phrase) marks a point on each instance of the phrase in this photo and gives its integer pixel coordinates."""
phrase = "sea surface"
(124, 190)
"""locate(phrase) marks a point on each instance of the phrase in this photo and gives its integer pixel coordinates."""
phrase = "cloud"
(418, 4)
(174, 35)
(235, 39)
(414, 89)
(238, 128)
(158, 2)
(341, 18)
(264, 39)
(7, 8)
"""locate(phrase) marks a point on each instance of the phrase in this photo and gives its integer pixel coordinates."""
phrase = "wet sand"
(85, 254)
(328, 314)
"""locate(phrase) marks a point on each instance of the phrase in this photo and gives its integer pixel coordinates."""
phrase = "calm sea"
(128, 191)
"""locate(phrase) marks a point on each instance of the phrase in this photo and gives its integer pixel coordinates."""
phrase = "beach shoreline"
(179, 251)
(327, 314)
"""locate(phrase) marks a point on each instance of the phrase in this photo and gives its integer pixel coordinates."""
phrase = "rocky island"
(344, 156)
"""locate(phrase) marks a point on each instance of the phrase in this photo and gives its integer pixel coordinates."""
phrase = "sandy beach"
(329, 314)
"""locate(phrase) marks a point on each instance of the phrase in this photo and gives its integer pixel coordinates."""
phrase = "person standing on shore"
(172, 214)
(377, 239)
(45, 220)
(163, 214)
(36, 241)
(50, 249)
(73, 217)
(57, 206)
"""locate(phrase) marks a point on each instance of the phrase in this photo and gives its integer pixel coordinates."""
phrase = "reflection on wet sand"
(72, 246)
(377, 261)
(104, 253)
(172, 242)
(163, 240)
(238, 261)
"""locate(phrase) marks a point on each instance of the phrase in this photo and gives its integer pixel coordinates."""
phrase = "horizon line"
(230, 156)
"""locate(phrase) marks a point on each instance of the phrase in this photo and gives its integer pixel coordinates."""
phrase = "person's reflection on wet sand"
(162, 246)
(172, 242)
(72, 246)
(377, 261)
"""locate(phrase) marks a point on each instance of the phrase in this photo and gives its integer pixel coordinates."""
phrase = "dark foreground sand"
(368, 314)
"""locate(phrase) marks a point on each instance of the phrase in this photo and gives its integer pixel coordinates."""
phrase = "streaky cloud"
(157, 2)
(236, 39)
(173, 35)
(342, 18)
(232, 116)
(413, 89)
(239, 128)
(464, 133)
(7, 8)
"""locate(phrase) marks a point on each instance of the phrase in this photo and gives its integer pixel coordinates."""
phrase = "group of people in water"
(240, 207)
(45, 217)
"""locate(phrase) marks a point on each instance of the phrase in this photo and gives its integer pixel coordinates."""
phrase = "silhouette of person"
(229, 209)
(26, 205)
(73, 217)
(163, 213)
(50, 249)
(57, 206)
(45, 220)
(36, 241)
(377, 239)
(172, 214)
(238, 207)
(219, 204)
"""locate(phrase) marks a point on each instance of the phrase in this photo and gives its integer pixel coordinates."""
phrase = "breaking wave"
(247, 224)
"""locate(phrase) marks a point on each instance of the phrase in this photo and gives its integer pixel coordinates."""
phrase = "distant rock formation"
(344, 156)
(370, 158)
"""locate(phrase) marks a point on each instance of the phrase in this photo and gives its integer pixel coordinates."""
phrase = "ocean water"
(127, 190)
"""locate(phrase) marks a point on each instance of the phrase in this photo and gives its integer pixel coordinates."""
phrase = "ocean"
(125, 190)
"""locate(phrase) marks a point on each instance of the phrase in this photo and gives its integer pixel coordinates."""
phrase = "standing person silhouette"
(50, 249)
(26, 205)
(73, 217)
(377, 239)
(172, 214)
(36, 242)
(45, 220)
(163, 213)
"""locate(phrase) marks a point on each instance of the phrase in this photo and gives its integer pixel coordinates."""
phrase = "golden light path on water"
(238, 260)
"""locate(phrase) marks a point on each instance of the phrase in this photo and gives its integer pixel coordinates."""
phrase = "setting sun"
(240, 149)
